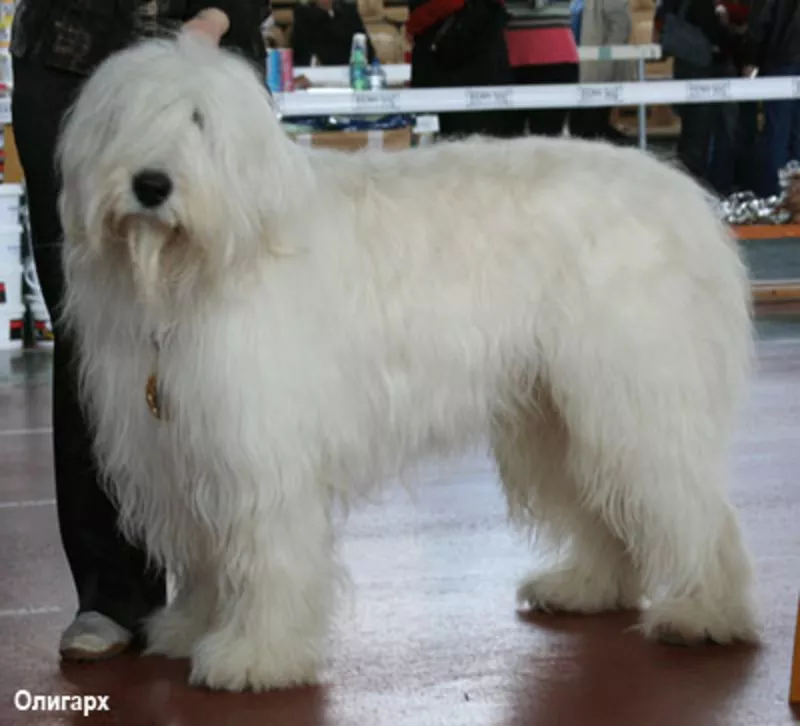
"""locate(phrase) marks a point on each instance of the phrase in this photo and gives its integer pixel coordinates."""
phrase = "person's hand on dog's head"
(210, 23)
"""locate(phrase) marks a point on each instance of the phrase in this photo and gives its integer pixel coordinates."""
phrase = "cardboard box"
(391, 140)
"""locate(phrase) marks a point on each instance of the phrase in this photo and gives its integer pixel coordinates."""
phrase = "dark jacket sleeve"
(245, 18)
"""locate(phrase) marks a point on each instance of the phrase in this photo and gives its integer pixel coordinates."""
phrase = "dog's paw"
(575, 590)
(690, 623)
(220, 663)
(173, 632)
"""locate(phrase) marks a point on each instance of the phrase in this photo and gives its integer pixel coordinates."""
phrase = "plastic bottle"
(377, 76)
(359, 80)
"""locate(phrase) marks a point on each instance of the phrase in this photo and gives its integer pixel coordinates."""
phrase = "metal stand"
(642, 108)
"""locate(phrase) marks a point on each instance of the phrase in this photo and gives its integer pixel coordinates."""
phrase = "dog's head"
(172, 164)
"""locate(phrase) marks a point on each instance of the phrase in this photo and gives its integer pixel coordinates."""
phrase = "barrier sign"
(610, 95)
(698, 91)
(490, 98)
(376, 102)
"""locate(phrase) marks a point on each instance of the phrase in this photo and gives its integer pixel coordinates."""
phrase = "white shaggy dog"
(319, 321)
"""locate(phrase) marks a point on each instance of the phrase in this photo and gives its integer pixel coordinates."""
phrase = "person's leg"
(722, 165)
(694, 142)
(111, 576)
(794, 135)
(722, 159)
(549, 121)
(582, 123)
(746, 147)
(794, 139)
(776, 139)
(775, 143)
(457, 125)
(595, 124)
(590, 123)
(516, 120)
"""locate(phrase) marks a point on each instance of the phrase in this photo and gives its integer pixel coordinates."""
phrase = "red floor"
(430, 636)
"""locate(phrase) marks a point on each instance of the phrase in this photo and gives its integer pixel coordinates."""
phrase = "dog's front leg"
(276, 576)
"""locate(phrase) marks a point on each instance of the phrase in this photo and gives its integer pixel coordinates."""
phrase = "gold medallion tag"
(151, 394)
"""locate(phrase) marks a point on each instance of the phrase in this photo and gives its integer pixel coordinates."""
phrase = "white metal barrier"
(438, 100)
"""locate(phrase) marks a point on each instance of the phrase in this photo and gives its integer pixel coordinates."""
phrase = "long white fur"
(325, 320)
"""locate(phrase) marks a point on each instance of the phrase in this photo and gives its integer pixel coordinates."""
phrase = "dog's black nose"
(151, 187)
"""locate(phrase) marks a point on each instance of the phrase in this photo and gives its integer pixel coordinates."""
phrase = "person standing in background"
(705, 125)
(745, 147)
(736, 124)
(460, 43)
(541, 50)
(55, 45)
(772, 46)
(604, 22)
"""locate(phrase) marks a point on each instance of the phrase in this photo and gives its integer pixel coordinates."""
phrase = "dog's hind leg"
(596, 574)
(276, 576)
(650, 444)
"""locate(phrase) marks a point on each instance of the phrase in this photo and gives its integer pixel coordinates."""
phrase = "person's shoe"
(93, 636)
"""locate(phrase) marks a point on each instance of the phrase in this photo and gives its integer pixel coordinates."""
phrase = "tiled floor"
(430, 635)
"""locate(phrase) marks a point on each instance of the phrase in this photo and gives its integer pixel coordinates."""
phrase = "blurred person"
(55, 45)
(745, 151)
(324, 29)
(604, 22)
(705, 125)
(732, 161)
(541, 50)
(772, 47)
(460, 43)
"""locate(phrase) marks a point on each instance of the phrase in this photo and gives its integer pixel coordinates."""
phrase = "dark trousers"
(590, 123)
(708, 132)
(594, 124)
(111, 575)
(747, 152)
(781, 139)
(724, 155)
(461, 124)
(541, 121)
